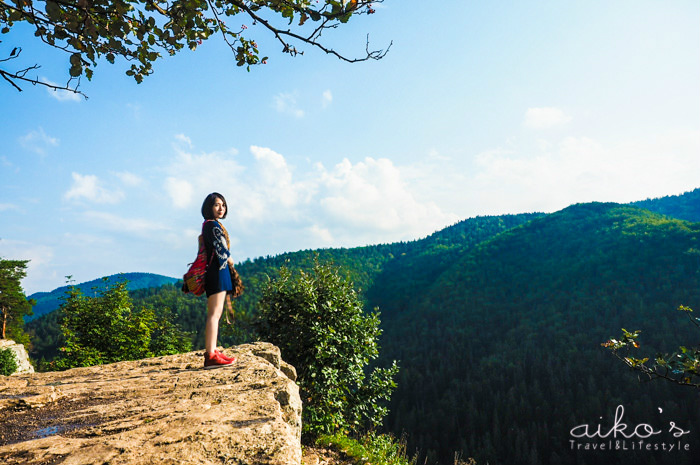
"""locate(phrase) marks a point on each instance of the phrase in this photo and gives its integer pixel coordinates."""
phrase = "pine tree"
(13, 303)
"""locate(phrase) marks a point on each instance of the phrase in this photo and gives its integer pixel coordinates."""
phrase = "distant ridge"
(46, 302)
(683, 207)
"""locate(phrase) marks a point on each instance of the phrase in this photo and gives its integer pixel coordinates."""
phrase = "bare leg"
(215, 306)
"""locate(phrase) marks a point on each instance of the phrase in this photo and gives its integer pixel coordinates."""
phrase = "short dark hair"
(208, 205)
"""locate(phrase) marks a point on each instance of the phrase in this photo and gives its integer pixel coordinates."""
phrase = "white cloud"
(545, 117)
(276, 207)
(434, 154)
(191, 176)
(38, 142)
(372, 197)
(184, 139)
(134, 226)
(39, 268)
(579, 169)
(322, 234)
(180, 192)
(327, 98)
(61, 95)
(89, 187)
(129, 179)
(275, 178)
(286, 103)
(8, 206)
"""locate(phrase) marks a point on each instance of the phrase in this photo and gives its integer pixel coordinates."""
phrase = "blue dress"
(218, 276)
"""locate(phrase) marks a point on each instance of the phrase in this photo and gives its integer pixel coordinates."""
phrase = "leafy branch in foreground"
(682, 367)
(142, 31)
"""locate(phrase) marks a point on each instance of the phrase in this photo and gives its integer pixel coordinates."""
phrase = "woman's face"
(219, 208)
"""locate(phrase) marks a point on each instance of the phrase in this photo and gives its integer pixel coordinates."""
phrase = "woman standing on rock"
(218, 276)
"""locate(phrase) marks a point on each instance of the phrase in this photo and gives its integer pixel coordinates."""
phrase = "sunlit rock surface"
(156, 411)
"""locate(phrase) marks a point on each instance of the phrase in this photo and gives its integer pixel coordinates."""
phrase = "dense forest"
(498, 322)
(501, 355)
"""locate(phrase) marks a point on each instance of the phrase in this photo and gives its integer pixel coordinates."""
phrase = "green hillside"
(501, 354)
(684, 206)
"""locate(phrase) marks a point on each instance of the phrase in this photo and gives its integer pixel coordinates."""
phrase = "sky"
(479, 108)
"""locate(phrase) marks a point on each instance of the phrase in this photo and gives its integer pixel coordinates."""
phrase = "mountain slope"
(684, 206)
(501, 355)
(410, 273)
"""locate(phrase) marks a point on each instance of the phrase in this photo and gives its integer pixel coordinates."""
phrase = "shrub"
(107, 328)
(8, 362)
(317, 321)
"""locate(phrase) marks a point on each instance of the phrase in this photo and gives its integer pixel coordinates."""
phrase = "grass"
(372, 448)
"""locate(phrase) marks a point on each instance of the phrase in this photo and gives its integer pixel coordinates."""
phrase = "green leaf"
(53, 11)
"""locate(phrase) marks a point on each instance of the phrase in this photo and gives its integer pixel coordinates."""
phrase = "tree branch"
(139, 30)
(20, 76)
(278, 33)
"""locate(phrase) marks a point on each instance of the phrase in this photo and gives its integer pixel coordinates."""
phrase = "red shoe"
(215, 360)
(225, 357)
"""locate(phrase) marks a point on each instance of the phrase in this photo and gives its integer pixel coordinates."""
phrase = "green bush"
(317, 321)
(107, 328)
(8, 362)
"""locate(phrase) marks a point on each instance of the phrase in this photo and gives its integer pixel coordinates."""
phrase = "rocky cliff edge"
(165, 410)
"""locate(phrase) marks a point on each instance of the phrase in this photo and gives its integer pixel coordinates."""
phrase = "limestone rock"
(165, 410)
(23, 364)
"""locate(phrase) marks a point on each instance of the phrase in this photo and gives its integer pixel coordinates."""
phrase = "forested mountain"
(498, 323)
(500, 354)
(684, 207)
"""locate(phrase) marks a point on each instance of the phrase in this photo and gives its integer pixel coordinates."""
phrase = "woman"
(218, 277)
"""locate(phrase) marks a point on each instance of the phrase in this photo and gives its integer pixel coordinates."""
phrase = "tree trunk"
(4, 322)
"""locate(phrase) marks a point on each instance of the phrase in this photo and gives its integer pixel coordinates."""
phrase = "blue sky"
(479, 108)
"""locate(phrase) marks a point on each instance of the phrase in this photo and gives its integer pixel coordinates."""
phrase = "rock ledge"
(165, 410)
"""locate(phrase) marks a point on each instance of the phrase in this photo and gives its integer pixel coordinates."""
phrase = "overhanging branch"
(139, 30)
(21, 76)
(311, 40)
